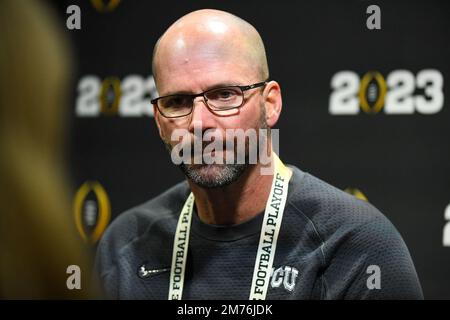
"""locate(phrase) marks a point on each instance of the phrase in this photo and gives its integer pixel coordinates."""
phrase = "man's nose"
(201, 117)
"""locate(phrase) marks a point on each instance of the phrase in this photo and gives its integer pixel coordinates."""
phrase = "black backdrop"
(363, 109)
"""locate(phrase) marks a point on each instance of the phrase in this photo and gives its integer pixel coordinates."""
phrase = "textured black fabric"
(327, 241)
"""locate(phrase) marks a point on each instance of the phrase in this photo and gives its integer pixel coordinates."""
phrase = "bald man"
(233, 230)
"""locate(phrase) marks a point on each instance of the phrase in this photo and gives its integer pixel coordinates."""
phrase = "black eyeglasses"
(218, 100)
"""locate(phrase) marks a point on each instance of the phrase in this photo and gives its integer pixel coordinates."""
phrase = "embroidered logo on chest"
(284, 276)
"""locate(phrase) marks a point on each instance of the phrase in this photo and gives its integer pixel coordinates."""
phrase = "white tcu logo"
(284, 275)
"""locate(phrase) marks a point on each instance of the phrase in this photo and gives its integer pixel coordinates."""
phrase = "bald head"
(204, 35)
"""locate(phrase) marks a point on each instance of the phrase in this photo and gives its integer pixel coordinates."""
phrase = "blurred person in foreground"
(37, 235)
(232, 231)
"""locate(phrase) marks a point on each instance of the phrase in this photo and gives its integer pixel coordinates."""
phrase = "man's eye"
(174, 102)
(224, 94)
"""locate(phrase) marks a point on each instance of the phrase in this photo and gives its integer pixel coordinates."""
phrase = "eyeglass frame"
(193, 96)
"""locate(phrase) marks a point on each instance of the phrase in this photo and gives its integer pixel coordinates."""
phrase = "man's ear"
(272, 102)
(156, 115)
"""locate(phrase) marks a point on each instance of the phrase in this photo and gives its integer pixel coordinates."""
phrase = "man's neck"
(235, 203)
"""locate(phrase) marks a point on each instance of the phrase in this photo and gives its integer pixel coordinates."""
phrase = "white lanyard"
(267, 243)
